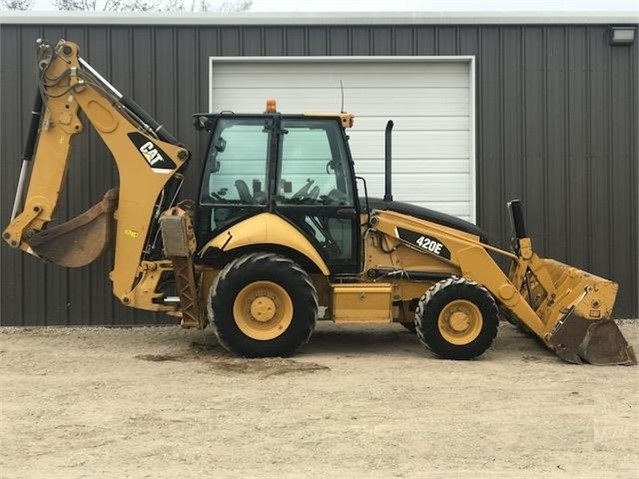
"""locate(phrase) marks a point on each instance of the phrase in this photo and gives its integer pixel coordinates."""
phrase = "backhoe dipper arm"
(147, 158)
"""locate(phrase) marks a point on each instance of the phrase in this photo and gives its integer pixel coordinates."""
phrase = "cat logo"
(151, 153)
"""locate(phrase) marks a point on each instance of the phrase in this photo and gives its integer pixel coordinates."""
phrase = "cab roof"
(205, 120)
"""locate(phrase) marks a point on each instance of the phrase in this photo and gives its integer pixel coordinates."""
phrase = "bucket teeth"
(577, 340)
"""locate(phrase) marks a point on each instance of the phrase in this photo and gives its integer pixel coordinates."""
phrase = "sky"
(429, 5)
(438, 5)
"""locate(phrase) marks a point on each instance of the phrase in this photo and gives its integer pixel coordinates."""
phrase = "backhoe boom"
(148, 159)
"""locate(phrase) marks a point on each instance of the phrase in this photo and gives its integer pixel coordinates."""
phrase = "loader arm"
(568, 309)
(147, 157)
(473, 260)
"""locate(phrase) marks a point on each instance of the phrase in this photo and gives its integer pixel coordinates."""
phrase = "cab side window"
(237, 165)
(234, 180)
(312, 168)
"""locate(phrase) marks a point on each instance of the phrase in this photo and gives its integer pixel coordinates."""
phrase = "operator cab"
(296, 166)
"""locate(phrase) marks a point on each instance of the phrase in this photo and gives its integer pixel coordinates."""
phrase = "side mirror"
(220, 145)
(200, 123)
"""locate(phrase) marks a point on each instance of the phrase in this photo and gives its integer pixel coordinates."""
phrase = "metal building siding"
(556, 125)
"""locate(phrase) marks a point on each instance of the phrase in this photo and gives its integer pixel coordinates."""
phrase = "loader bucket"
(577, 318)
(81, 240)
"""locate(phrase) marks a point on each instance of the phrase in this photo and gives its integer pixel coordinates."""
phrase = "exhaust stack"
(388, 195)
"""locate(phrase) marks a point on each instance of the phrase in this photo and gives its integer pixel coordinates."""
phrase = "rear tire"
(457, 319)
(261, 305)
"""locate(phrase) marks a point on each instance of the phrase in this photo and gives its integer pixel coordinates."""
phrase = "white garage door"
(430, 100)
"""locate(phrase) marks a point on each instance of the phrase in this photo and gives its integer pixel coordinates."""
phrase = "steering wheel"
(217, 197)
(303, 192)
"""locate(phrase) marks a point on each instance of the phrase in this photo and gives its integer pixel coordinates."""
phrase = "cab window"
(236, 164)
(313, 168)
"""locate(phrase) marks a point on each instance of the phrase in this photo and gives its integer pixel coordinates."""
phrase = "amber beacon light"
(271, 105)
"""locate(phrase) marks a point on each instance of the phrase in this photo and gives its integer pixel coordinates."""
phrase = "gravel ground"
(358, 401)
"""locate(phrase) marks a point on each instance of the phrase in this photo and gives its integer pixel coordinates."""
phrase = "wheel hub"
(263, 309)
(460, 322)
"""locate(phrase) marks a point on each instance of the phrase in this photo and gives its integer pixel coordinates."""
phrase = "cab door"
(236, 174)
(315, 189)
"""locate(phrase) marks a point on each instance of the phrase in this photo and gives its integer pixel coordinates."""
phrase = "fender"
(266, 228)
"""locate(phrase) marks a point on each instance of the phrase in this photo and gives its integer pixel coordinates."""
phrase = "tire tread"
(426, 327)
(229, 335)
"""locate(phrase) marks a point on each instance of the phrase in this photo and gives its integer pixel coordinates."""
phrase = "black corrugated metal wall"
(557, 110)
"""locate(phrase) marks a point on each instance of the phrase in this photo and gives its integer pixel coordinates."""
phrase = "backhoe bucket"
(578, 324)
(81, 240)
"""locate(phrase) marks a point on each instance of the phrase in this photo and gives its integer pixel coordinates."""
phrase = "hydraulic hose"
(27, 153)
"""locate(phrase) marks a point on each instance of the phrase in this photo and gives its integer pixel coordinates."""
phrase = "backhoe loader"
(278, 236)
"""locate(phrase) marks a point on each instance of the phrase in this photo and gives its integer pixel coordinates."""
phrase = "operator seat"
(245, 194)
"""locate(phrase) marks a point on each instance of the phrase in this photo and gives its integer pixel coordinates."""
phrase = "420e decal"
(424, 242)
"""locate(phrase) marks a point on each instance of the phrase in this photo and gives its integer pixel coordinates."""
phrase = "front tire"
(262, 305)
(457, 319)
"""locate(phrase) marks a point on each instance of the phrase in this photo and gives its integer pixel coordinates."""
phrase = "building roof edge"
(306, 18)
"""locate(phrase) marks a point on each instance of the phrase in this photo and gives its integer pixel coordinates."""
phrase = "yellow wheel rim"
(460, 322)
(263, 310)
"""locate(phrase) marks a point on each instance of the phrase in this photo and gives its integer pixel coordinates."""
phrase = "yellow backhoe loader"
(278, 235)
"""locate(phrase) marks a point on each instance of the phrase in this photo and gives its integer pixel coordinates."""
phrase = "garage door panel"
(423, 188)
(322, 73)
(417, 122)
(412, 144)
(433, 187)
(373, 101)
(289, 66)
(332, 80)
(429, 101)
(414, 165)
